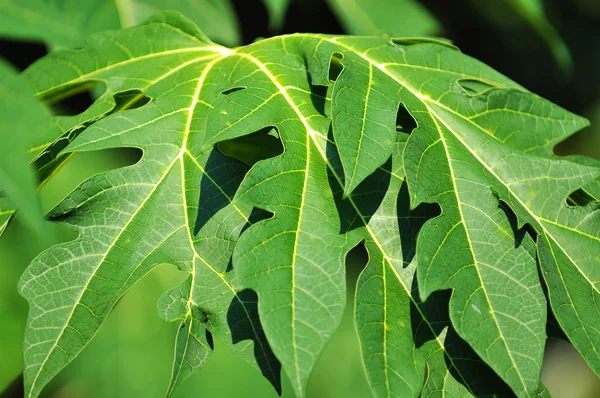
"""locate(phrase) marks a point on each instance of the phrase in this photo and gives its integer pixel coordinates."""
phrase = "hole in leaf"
(21, 54)
(221, 178)
(335, 66)
(405, 122)
(209, 339)
(77, 99)
(226, 168)
(244, 323)
(411, 221)
(356, 260)
(130, 99)
(233, 90)
(67, 176)
(318, 96)
(366, 198)
(473, 87)
(257, 215)
(47, 161)
(436, 308)
(580, 198)
(255, 147)
(85, 164)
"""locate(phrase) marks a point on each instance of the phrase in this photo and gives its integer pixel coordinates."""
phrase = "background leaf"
(277, 10)
(533, 12)
(67, 23)
(395, 18)
(20, 132)
(36, 20)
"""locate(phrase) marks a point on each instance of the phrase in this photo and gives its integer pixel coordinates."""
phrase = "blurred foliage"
(17, 177)
(67, 23)
(566, 375)
(395, 18)
(123, 362)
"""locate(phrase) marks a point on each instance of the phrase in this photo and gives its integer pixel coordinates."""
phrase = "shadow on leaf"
(243, 320)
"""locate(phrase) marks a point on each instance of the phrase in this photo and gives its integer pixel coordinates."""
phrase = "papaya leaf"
(265, 246)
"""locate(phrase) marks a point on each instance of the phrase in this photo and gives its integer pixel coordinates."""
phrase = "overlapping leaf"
(446, 92)
(409, 347)
(339, 180)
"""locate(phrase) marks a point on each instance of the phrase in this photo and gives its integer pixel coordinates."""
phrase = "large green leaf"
(475, 138)
(295, 260)
(537, 186)
(272, 240)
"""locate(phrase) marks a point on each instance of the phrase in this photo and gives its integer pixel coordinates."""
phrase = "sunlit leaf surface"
(430, 158)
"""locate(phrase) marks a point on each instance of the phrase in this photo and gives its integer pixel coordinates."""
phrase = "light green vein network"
(481, 143)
